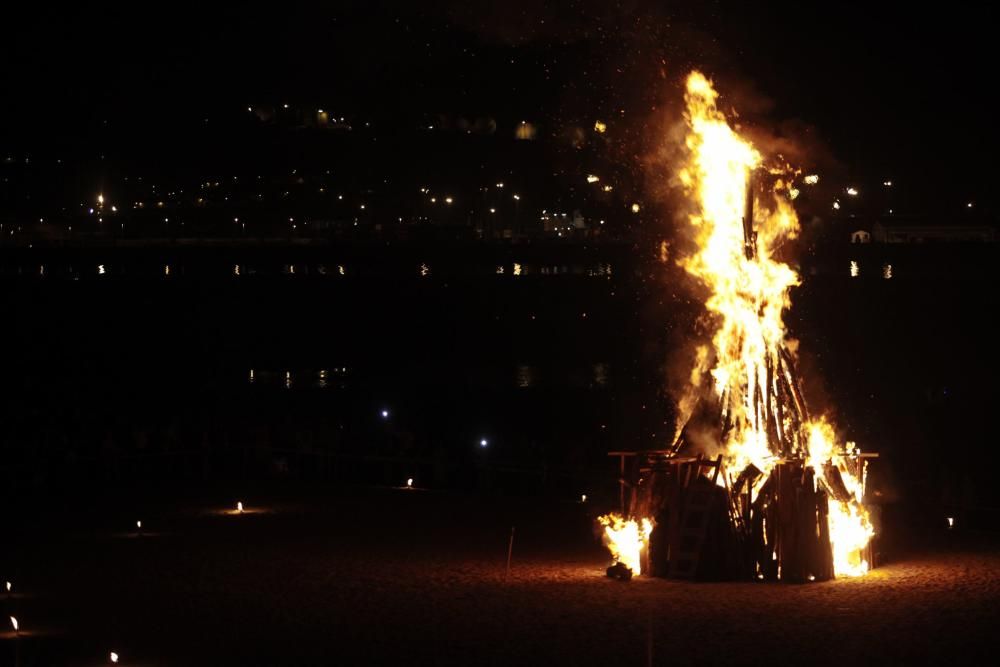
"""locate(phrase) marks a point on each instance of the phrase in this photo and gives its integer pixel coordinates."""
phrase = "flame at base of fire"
(850, 532)
(626, 539)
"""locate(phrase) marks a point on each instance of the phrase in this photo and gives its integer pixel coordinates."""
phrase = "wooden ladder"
(694, 520)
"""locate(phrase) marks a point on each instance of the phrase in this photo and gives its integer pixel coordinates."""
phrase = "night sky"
(895, 91)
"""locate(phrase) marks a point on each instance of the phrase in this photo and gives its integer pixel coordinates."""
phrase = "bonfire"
(789, 492)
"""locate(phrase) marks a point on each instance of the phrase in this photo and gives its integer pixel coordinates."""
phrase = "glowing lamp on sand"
(239, 506)
(13, 622)
(114, 657)
(409, 482)
(951, 524)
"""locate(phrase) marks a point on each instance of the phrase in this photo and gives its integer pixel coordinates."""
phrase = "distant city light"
(114, 657)
(239, 506)
(811, 179)
(887, 184)
(493, 210)
(852, 192)
(951, 522)
(518, 198)
(836, 205)
(635, 208)
(448, 200)
(887, 271)
(409, 482)
(583, 498)
(484, 442)
(592, 178)
(499, 185)
(969, 205)
(385, 414)
(600, 127)
(855, 269)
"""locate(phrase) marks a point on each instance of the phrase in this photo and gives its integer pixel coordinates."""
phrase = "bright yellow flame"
(749, 291)
(600, 127)
(592, 178)
(626, 539)
(635, 208)
(811, 179)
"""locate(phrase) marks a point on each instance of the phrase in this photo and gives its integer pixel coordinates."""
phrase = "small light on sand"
(583, 497)
(951, 522)
(409, 482)
(13, 621)
(7, 586)
(138, 524)
(114, 657)
(811, 577)
(239, 506)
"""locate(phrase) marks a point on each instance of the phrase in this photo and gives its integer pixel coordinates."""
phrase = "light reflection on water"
(601, 371)
(524, 376)
(424, 269)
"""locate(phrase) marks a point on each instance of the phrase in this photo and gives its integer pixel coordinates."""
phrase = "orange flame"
(749, 291)
(626, 539)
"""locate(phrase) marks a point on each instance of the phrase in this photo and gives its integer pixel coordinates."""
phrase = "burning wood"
(788, 495)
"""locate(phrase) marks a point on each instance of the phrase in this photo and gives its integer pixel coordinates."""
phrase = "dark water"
(247, 363)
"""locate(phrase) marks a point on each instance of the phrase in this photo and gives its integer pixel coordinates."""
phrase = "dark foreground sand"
(408, 578)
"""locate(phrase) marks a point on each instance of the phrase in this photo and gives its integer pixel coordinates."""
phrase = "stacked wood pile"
(707, 529)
